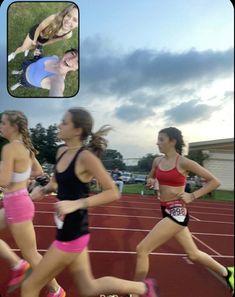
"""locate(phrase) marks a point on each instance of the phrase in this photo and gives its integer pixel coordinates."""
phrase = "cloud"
(132, 113)
(190, 111)
(123, 73)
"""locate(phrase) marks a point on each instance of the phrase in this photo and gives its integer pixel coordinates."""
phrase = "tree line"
(45, 141)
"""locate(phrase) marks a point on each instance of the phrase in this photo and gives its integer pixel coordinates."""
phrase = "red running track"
(116, 230)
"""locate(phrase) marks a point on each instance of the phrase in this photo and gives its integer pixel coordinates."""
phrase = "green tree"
(197, 156)
(146, 162)
(51, 144)
(113, 159)
(46, 142)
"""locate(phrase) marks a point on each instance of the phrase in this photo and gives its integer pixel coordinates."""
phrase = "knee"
(141, 250)
(194, 255)
(89, 290)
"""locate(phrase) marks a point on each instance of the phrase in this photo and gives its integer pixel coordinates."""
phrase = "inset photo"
(43, 49)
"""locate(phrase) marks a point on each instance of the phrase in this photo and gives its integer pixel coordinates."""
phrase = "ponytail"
(97, 143)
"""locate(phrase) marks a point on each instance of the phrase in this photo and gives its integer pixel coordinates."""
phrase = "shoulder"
(157, 160)
(186, 163)
(87, 155)
(8, 147)
(60, 150)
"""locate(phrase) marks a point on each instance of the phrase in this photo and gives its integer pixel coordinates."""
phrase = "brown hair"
(19, 119)
(81, 118)
(176, 134)
(50, 31)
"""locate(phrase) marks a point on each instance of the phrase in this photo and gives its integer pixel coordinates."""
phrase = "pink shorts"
(73, 246)
(18, 206)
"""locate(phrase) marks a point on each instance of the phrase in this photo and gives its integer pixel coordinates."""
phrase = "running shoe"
(18, 276)
(11, 57)
(59, 293)
(152, 289)
(230, 278)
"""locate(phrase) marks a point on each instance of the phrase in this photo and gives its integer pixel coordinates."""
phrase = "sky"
(144, 66)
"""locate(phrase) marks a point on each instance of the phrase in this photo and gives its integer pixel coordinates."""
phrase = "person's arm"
(95, 168)
(36, 168)
(39, 192)
(57, 87)
(7, 165)
(42, 26)
(67, 36)
(151, 177)
(194, 167)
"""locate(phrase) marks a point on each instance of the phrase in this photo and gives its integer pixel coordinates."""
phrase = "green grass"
(218, 195)
(21, 17)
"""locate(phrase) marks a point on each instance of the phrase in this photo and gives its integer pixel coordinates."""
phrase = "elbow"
(116, 194)
(217, 183)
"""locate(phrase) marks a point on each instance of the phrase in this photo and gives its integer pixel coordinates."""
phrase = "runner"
(77, 163)
(54, 28)
(47, 72)
(18, 265)
(18, 163)
(171, 171)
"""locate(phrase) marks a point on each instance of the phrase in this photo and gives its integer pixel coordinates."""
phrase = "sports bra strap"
(177, 160)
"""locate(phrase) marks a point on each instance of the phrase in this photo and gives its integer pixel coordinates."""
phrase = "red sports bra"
(170, 177)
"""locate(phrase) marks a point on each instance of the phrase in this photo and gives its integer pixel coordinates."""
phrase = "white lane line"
(158, 209)
(134, 253)
(206, 245)
(196, 219)
(156, 204)
(137, 230)
(141, 217)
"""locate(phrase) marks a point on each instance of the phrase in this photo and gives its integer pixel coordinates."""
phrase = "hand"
(67, 206)
(150, 183)
(186, 197)
(34, 42)
(37, 193)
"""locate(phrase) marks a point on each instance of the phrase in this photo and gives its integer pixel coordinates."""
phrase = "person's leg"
(121, 186)
(52, 263)
(185, 239)
(3, 222)
(161, 233)
(27, 45)
(7, 254)
(15, 86)
(24, 236)
(88, 286)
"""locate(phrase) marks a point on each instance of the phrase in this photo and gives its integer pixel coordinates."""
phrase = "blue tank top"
(36, 71)
(70, 187)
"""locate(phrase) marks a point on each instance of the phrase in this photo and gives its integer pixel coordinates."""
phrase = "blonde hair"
(95, 142)
(50, 31)
(19, 119)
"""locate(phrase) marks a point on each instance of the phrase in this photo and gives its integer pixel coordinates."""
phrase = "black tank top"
(70, 187)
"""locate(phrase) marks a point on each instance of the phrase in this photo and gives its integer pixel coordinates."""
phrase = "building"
(220, 161)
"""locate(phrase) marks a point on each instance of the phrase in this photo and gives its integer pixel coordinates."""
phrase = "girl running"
(18, 164)
(171, 171)
(16, 263)
(54, 28)
(77, 163)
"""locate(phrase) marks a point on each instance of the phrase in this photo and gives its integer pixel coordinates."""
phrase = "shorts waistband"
(16, 193)
(166, 203)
